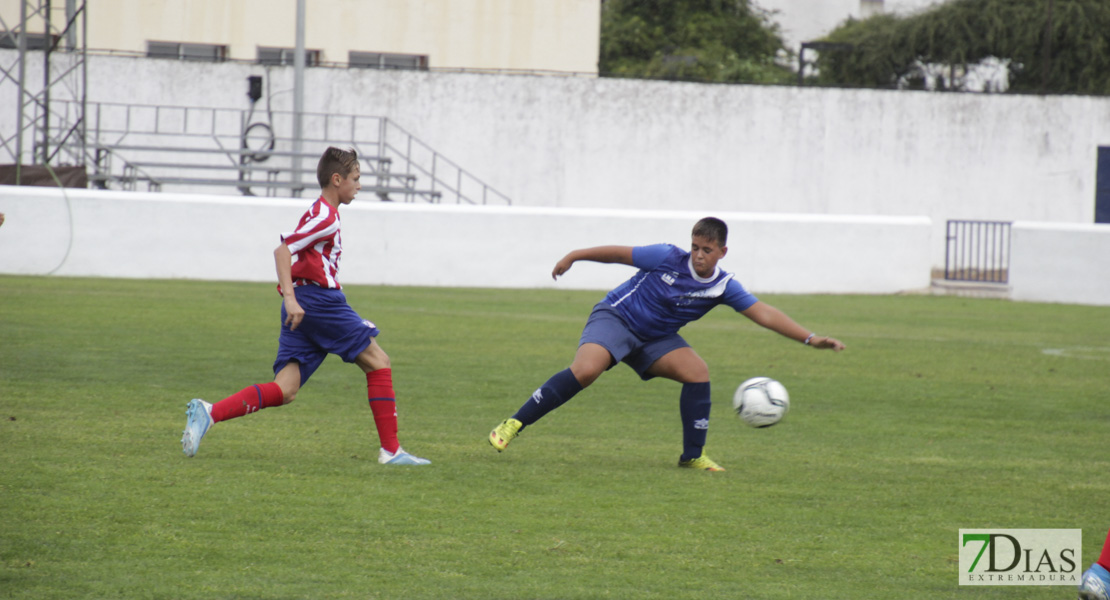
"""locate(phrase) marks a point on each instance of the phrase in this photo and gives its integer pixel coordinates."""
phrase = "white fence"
(152, 235)
(189, 236)
(1060, 262)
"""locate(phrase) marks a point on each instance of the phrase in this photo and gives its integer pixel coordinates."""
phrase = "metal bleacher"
(189, 149)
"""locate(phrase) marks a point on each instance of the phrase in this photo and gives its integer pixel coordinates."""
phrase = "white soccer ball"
(761, 401)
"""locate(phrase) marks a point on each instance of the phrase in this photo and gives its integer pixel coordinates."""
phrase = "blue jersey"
(667, 294)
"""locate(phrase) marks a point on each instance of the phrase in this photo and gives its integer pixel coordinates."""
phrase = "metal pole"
(46, 87)
(22, 89)
(84, 84)
(298, 94)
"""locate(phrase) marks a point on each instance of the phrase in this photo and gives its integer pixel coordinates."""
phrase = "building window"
(181, 51)
(284, 56)
(35, 41)
(384, 60)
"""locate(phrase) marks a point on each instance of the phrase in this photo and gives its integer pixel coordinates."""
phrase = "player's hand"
(827, 343)
(561, 267)
(294, 314)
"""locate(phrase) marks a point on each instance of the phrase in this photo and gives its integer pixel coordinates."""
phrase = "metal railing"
(977, 251)
(189, 147)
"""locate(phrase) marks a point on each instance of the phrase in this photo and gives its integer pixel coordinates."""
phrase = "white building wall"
(537, 35)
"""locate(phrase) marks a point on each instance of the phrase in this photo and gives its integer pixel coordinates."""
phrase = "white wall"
(1060, 263)
(152, 235)
(642, 145)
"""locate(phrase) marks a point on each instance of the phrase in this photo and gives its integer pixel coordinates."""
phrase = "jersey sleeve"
(737, 297)
(316, 225)
(647, 258)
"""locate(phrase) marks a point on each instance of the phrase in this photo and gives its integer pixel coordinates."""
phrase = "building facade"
(500, 35)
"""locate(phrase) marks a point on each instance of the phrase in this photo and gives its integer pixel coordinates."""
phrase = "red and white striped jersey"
(316, 247)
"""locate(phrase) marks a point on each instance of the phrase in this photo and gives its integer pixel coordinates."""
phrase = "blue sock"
(561, 387)
(693, 405)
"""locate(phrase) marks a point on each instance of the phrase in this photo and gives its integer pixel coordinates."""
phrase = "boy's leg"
(247, 400)
(686, 367)
(282, 390)
(590, 361)
(383, 404)
(202, 415)
(693, 405)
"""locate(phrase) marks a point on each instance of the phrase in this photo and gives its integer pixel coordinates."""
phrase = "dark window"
(35, 41)
(385, 60)
(182, 51)
(284, 56)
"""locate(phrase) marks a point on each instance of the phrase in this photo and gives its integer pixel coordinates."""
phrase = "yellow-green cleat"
(504, 433)
(702, 463)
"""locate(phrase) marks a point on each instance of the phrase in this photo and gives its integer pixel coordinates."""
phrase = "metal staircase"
(129, 146)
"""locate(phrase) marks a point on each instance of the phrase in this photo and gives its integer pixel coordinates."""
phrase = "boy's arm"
(283, 260)
(774, 319)
(601, 254)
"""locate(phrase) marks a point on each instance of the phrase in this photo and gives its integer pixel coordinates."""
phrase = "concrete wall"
(558, 142)
(152, 235)
(1060, 263)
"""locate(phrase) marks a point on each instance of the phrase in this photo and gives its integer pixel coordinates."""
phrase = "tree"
(693, 40)
(1049, 46)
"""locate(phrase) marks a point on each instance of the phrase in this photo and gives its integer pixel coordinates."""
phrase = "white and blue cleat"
(386, 457)
(198, 420)
(1095, 584)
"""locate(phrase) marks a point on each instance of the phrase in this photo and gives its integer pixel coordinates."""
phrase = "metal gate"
(978, 251)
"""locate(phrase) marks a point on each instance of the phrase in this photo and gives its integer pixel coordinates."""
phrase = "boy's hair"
(713, 229)
(335, 160)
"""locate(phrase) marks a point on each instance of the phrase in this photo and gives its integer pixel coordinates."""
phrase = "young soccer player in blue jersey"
(637, 324)
(316, 321)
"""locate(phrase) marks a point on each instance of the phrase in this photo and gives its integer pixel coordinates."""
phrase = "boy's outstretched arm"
(774, 319)
(283, 260)
(601, 254)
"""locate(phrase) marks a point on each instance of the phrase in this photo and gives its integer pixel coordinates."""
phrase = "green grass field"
(944, 413)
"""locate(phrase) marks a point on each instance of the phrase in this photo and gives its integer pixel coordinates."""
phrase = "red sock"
(1104, 559)
(248, 400)
(379, 388)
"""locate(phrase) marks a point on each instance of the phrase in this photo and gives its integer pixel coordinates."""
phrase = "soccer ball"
(761, 401)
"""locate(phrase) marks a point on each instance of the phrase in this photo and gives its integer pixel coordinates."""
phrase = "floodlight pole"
(298, 93)
(22, 81)
(46, 85)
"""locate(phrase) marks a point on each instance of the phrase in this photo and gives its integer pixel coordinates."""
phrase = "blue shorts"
(607, 328)
(330, 326)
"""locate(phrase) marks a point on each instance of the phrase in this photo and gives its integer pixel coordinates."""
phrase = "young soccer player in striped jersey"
(637, 323)
(316, 321)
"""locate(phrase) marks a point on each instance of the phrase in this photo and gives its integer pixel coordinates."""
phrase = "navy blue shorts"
(330, 326)
(607, 328)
